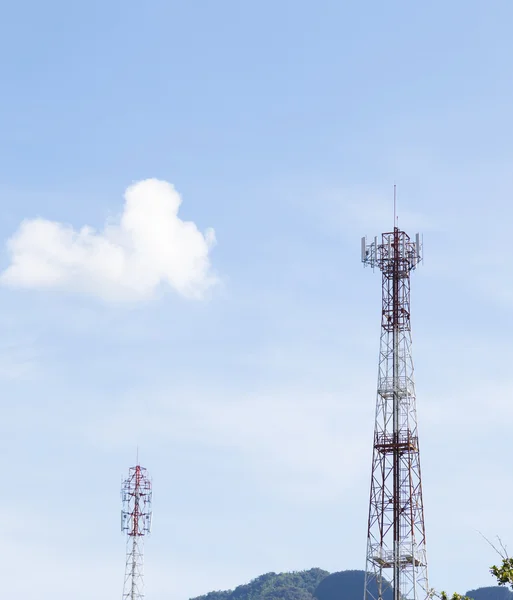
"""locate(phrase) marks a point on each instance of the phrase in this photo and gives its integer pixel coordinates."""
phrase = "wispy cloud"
(18, 360)
(300, 441)
(149, 247)
(371, 209)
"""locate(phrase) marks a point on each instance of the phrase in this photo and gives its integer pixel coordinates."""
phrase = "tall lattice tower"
(136, 523)
(396, 567)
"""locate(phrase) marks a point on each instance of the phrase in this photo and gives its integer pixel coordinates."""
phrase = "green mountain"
(317, 584)
(344, 585)
(491, 593)
(275, 586)
(314, 584)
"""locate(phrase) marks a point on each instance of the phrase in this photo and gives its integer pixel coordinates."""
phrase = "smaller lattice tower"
(136, 524)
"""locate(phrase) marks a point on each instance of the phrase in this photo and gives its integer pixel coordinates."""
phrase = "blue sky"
(249, 385)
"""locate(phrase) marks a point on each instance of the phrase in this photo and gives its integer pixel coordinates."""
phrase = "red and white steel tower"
(136, 514)
(396, 565)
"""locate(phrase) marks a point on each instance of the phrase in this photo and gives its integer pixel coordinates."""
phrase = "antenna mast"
(136, 512)
(395, 206)
(396, 567)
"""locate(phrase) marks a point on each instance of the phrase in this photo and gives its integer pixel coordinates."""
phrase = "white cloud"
(150, 246)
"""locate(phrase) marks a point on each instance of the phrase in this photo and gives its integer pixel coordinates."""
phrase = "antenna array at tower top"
(136, 497)
(394, 246)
